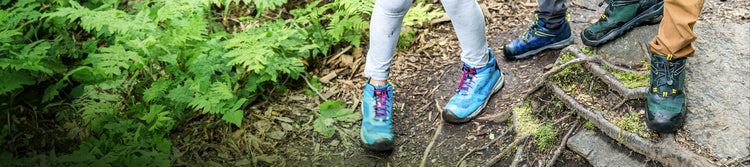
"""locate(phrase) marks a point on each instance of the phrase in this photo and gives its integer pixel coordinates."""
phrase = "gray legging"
(385, 26)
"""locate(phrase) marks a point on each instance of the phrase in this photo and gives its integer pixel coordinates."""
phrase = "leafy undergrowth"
(119, 76)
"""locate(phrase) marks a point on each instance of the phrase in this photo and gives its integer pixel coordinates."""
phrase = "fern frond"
(157, 117)
(420, 13)
(18, 80)
(105, 22)
(157, 90)
(114, 60)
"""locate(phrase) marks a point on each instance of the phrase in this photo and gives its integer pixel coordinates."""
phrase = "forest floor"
(280, 131)
(424, 76)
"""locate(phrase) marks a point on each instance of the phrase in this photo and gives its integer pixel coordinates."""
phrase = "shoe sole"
(379, 145)
(556, 45)
(645, 17)
(495, 89)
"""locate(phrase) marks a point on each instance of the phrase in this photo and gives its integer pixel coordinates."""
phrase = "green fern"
(114, 59)
(158, 118)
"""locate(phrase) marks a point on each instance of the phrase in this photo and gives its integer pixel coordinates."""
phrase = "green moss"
(632, 123)
(545, 137)
(587, 50)
(630, 79)
(527, 123)
(589, 126)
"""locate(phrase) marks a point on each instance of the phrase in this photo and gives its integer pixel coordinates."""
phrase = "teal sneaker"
(666, 99)
(377, 104)
(473, 91)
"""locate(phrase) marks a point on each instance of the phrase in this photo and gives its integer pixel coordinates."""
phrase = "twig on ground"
(507, 149)
(313, 88)
(440, 110)
(619, 104)
(561, 146)
(518, 156)
(481, 148)
(561, 119)
(432, 142)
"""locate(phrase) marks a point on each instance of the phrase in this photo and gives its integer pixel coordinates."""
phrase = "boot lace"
(381, 104)
(468, 74)
(666, 69)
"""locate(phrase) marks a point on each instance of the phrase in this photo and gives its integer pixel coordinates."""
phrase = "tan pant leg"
(676, 29)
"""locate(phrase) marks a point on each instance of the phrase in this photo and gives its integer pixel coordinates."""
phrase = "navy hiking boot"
(538, 39)
(473, 91)
(377, 104)
(666, 99)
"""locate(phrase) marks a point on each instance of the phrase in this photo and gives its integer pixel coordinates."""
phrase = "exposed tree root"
(432, 143)
(597, 70)
(480, 148)
(507, 149)
(667, 152)
(562, 145)
(518, 157)
(608, 78)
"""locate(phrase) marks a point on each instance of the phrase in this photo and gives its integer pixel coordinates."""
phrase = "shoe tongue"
(660, 57)
(384, 87)
(541, 23)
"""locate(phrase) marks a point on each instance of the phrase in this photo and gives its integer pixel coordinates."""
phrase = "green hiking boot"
(621, 16)
(666, 99)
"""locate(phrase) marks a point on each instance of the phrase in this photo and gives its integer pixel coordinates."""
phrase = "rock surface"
(718, 89)
(627, 50)
(717, 84)
(600, 150)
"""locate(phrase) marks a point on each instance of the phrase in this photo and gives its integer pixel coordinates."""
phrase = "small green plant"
(545, 137)
(589, 125)
(331, 113)
(314, 82)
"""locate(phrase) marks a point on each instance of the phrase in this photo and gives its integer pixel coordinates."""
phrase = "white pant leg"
(385, 26)
(468, 21)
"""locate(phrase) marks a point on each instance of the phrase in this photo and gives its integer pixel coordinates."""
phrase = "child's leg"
(480, 75)
(376, 131)
(468, 21)
(552, 13)
(385, 26)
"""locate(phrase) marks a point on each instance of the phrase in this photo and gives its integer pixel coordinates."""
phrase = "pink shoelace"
(381, 105)
(468, 73)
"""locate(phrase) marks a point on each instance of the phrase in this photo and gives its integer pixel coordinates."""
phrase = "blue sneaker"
(538, 39)
(377, 104)
(473, 91)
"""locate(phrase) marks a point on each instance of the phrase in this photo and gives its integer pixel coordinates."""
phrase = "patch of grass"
(527, 123)
(545, 137)
(632, 123)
